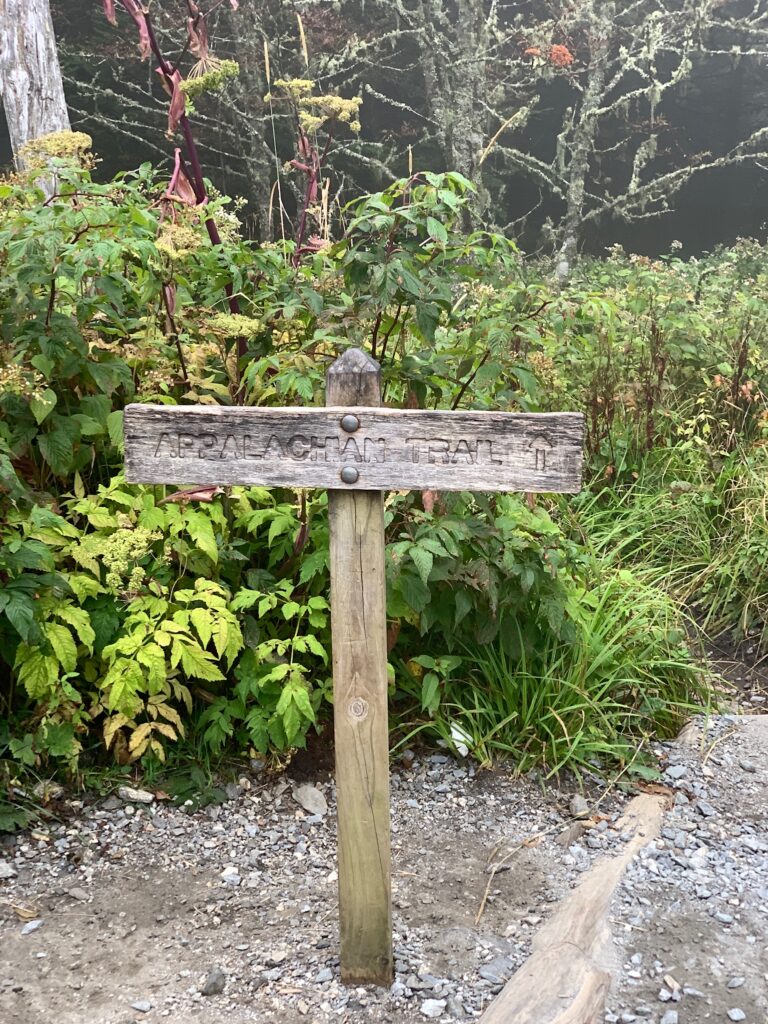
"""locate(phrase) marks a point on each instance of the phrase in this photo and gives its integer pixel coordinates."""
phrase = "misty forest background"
(438, 79)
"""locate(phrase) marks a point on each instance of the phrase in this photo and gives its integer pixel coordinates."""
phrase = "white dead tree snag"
(30, 76)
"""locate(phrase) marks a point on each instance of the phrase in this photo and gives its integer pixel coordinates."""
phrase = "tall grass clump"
(589, 698)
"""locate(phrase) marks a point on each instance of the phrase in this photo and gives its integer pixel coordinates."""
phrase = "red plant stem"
(197, 179)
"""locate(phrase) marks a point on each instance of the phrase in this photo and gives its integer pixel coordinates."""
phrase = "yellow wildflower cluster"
(209, 76)
(177, 241)
(314, 111)
(151, 383)
(544, 368)
(235, 325)
(15, 380)
(64, 145)
(120, 554)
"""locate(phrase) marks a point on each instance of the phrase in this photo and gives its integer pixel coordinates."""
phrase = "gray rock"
(129, 795)
(433, 1007)
(311, 799)
(142, 1005)
(736, 982)
(676, 771)
(231, 876)
(706, 810)
(326, 974)
(454, 1008)
(497, 971)
(578, 806)
(31, 926)
(214, 983)
(7, 870)
(670, 1017)
(736, 1014)
(79, 894)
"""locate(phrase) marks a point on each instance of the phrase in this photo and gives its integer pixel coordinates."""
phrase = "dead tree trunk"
(30, 76)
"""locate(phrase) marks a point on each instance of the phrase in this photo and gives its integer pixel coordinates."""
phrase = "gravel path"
(136, 911)
(691, 917)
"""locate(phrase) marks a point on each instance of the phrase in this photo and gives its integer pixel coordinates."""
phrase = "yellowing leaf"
(111, 725)
(139, 735)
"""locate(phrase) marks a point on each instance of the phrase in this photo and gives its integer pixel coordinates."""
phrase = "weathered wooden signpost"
(357, 450)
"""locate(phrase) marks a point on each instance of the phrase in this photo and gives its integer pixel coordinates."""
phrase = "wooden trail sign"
(391, 449)
(357, 450)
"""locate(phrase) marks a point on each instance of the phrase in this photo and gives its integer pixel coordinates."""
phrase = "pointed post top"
(354, 379)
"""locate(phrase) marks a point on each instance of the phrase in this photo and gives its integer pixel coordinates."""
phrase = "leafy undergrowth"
(140, 623)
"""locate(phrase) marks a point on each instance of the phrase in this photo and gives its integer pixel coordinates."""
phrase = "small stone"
(578, 806)
(736, 1014)
(665, 995)
(275, 958)
(748, 766)
(31, 926)
(231, 876)
(676, 771)
(142, 1005)
(433, 1007)
(135, 796)
(736, 982)
(79, 894)
(454, 1008)
(326, 974)
(497, 971)
(706, 810)
(311, 799)
(214, 983)
(7, 871)
(670, 1017)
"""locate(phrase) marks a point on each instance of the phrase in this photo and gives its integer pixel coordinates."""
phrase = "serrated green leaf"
(63, 644)
(43, 406)
(423, 560)
(202, 620)
(200, 529)
(83, 586)
(38, 673)
(199, 664)
(80, 621)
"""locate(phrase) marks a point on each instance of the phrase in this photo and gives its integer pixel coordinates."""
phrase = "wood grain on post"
(358, 621)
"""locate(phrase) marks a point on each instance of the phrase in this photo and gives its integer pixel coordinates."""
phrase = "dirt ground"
(139, 904)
